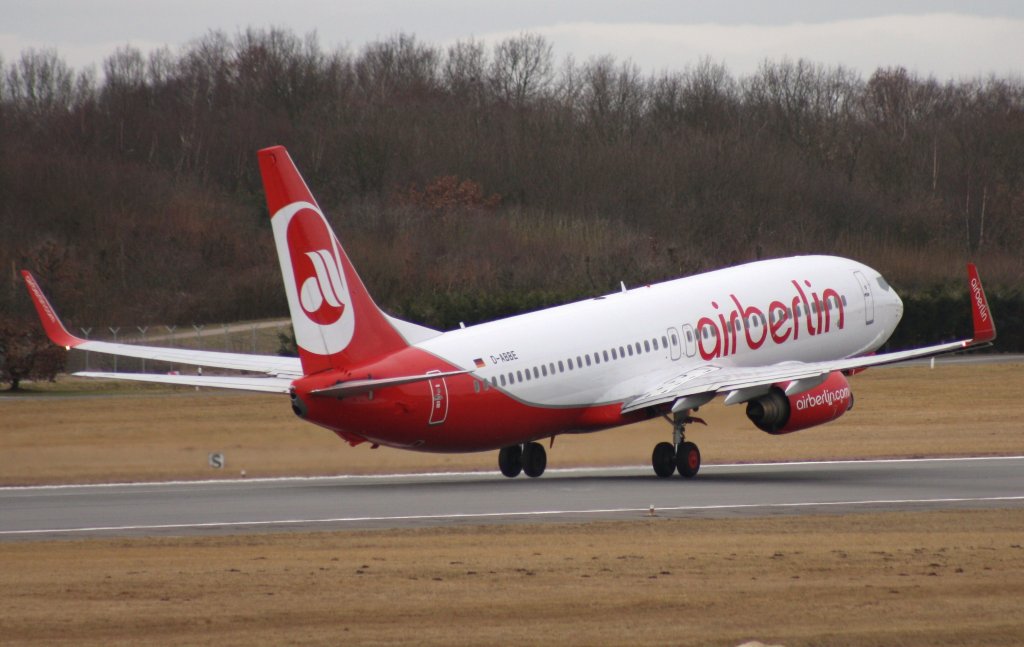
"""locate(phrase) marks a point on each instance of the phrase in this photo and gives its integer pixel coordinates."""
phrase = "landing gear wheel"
(664, 460)
(510, 460)
(535, 459)
(688, 460)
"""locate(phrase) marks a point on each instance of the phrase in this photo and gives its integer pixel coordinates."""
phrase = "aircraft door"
(673, 344)
(869, 300)
(438, 399)
(689, 340)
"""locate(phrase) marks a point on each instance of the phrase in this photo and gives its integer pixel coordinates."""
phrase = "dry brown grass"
(122, 434)
(940, 578)
(953, 578)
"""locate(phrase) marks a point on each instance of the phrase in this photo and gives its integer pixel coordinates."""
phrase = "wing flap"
(287, 367)
(240, 383)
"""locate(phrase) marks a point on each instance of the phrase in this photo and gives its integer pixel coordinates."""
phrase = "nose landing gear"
(680, 454)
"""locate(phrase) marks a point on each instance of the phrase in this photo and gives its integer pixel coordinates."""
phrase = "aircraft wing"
(699, 385)
(279, 367)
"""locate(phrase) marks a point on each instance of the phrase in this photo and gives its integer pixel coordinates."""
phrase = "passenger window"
(630, 350)
(597, 358)
(638, 348)
(654, 343)
(588, 360)
(615, 355)
(519, 375)
(844, 299)
(689, 336)
(543, 370)
(536, 373)
(622, 352)
(561, 367)
(579, 362)
(570, 363)
(605, 353)
(647, 346)
(502, 378)
(664, 341)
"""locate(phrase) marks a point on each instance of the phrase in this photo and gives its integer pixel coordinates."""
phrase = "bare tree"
(522, 68)
(465, 71)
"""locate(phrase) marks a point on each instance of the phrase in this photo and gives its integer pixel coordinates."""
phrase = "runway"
(397, 501)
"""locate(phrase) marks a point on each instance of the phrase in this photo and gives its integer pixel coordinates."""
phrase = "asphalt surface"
(397, 501)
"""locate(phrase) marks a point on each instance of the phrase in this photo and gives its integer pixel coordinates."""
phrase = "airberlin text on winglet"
(979, 298)
(782, 323)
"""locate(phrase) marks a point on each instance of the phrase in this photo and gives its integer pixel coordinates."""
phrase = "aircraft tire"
(535, 459)
(664, 460)
(510, 460)
(688, 460)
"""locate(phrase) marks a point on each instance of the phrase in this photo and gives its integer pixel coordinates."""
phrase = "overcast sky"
(945, 38)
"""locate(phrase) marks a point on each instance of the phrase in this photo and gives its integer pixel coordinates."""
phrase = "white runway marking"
(493, 515)
(555, 472)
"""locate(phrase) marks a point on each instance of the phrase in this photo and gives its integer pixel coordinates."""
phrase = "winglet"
(984, 325)
(55, 330)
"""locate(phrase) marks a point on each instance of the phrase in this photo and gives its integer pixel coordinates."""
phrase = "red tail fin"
(337, 324)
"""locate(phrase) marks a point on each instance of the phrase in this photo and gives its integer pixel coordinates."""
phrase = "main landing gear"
(529, 458)
(680, 454)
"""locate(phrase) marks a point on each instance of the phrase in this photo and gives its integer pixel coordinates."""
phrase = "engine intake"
(778, 413)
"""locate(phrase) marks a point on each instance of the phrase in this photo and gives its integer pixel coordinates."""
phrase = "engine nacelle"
(778, 413)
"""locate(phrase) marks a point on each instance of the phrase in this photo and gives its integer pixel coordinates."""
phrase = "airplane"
(780, 336)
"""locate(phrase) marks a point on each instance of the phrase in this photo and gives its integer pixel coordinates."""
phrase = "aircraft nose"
(897, 307)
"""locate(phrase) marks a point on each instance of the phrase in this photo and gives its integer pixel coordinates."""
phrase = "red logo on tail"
(319, 279)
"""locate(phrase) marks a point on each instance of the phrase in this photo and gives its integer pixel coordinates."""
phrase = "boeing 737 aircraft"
(780, 336)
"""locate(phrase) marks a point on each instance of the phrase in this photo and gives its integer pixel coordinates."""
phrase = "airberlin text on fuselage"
(782, 321)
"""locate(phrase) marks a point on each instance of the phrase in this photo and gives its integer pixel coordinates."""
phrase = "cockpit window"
(882, 283)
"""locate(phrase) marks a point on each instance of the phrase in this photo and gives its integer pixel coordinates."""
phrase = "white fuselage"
(618, 345)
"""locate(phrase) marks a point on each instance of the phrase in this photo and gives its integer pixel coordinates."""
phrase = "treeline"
(475, 181)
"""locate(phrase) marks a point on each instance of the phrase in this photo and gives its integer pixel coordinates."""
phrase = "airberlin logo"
(807, 312)
(979, 299)
(324, 289)
(811, 400)
(319, 278)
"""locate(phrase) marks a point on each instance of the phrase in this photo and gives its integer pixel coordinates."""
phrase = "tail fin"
(337, 324)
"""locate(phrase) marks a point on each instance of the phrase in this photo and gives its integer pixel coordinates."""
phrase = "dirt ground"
(939, 578)
(77, 432)
(922, 578)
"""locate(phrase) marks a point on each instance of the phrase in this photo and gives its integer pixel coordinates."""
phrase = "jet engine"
(778, 413)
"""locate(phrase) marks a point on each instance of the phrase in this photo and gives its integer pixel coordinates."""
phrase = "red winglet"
(984, 325)
(55, 330)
